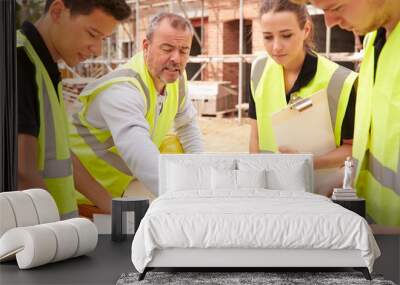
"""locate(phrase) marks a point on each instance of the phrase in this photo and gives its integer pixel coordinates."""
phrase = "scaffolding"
(143, 8)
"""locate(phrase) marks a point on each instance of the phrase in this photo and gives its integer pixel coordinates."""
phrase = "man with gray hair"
(127, 114)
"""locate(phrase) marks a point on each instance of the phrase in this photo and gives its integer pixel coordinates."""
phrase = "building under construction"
(227, 38)
(297, 179)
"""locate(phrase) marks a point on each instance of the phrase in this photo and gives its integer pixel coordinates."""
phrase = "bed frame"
(261, 259)
(246, 259)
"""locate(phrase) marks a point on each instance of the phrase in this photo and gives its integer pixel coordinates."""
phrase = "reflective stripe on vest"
(338, 89)
(54, 162)
(382, 202)
(376, 143)
(95, 147)
(384, 175)
(99, 148)
(257, 71)
(335, 88)
(127, 72)
(53, 168)
(123, 73)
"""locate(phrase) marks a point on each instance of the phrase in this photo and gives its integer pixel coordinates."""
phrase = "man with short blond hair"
(376, 143)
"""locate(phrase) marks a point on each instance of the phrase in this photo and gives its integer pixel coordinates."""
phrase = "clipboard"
(305, 125)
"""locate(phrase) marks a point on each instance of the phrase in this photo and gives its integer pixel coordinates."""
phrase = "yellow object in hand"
(171, 144)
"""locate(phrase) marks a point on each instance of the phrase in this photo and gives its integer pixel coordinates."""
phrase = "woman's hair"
(299, 10)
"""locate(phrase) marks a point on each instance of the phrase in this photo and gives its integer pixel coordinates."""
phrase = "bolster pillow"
(26, 208)
(51, 242)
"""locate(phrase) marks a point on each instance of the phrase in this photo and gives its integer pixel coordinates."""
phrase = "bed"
(245, 211)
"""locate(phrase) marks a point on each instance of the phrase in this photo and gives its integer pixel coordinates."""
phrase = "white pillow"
(292, 180)
(189, 160)
(188, 177)
(223, 179)
(251, 178)
(281, 174)
(228, 179)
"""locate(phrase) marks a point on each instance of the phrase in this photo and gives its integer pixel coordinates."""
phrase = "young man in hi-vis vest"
(376, 143)
(69, 31)
(127, 114)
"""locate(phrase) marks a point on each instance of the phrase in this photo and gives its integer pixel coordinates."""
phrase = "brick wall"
(223, 33)
(221, 30)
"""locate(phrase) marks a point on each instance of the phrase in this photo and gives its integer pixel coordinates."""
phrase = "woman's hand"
(284, 149)
(334, 158)
(253, 144)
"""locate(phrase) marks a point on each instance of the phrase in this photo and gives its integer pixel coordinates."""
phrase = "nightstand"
(120, 205)
(356, 205)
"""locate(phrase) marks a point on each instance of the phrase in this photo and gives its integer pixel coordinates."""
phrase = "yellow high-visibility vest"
(95, 147)
(376, 143)
(268, 90)
(54, 162)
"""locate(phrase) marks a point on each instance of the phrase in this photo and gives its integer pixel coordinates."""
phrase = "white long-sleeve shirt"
(122, 110)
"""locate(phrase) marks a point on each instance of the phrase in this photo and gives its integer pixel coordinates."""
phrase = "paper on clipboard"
(306, 131)
(309, 131)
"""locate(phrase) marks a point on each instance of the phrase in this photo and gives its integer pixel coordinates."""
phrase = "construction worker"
(71, 31)
(292, 67)
(376, 147)
(126, 114)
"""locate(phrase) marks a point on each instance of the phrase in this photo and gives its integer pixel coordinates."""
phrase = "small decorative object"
(347, 192)
(348, 173)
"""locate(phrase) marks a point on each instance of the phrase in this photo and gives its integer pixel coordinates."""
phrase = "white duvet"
(250, 218)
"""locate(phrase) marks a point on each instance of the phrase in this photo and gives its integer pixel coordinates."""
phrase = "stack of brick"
(72, 87)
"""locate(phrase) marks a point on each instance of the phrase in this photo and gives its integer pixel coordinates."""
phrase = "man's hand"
(28, 174)
(89, 187)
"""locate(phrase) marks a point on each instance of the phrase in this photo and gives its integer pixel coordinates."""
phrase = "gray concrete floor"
(102, 266)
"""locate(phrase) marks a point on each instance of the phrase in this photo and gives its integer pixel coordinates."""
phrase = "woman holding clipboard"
(292, 67)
